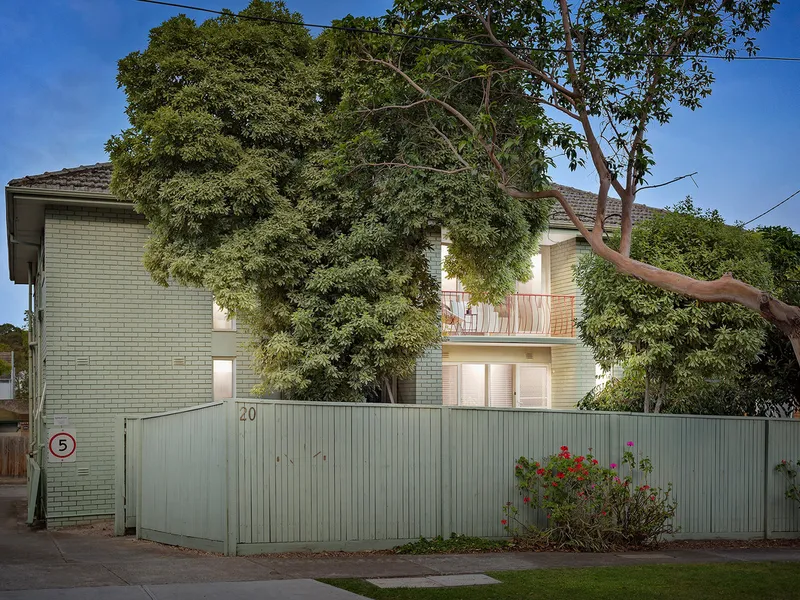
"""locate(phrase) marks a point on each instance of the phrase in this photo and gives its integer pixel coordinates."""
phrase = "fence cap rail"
(498, 409)
(177, 411)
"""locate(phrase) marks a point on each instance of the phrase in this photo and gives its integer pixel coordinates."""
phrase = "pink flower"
(613, 465)
(504, 522)
(653, 498)
(540, 471)
(526, 499)
(630, 444)
(564, 448)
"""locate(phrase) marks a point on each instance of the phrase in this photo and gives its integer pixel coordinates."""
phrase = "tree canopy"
(248, 160)
(667, 343)
(580, 80)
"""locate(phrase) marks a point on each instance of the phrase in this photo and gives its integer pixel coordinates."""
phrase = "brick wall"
(102, 306)
(573, 366)
(425, 384)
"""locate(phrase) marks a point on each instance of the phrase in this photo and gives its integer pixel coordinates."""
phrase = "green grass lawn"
(732, 581)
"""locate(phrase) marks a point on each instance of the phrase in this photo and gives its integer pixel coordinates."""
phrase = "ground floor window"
(497, 385)
(223, 376)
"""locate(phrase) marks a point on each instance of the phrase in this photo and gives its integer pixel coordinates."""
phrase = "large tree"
(667, 343)
(589, 76)
(247, 163)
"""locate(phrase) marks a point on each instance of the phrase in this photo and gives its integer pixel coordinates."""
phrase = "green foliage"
(790, 473)
(15, 339)
(255, 175)
(672, 345)
(775, 378)
(591, 507)
(455, 544)
(636, 61)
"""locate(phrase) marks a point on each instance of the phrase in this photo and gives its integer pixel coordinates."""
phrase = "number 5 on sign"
(61, 445)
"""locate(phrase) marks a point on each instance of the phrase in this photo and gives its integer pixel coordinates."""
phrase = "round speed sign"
(62, 445)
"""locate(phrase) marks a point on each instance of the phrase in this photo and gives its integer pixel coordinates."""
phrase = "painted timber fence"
(13, 454)
(251, 476)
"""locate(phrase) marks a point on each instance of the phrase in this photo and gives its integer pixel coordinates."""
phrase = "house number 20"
(247, 414)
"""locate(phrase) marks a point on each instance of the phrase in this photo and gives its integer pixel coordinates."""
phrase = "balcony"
(519, 315)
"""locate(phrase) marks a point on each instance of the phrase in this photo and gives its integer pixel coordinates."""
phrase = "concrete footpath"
(71, 565)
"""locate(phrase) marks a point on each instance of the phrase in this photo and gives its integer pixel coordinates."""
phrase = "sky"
(59, 103)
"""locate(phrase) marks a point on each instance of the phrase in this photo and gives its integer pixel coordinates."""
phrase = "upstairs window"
(221, 320)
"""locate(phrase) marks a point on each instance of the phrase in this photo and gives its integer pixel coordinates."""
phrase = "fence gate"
(127, 435)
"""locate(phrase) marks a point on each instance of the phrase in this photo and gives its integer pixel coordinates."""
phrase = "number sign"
(61, 445)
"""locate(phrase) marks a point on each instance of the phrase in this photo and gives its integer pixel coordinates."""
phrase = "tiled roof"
(585, 203)
(90, 178)
(19, 407)
(97, 178)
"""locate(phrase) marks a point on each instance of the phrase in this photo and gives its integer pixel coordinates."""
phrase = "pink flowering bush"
(589, 506)
(790, 472)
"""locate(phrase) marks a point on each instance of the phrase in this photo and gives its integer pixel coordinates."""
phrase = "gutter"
(55, 197)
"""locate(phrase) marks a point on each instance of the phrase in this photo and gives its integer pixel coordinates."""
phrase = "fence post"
(119, 475)
(446, 491)
(231, 479)
(767, 471)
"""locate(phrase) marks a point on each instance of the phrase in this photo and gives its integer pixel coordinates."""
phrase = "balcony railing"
(519, 314)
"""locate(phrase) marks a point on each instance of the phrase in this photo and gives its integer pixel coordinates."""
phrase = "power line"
(409, 36)
(771, 209)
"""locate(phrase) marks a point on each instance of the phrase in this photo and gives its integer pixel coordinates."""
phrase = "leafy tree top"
(675, 339)
(248, 163)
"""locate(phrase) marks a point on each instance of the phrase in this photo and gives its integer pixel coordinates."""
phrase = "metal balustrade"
(518, 314)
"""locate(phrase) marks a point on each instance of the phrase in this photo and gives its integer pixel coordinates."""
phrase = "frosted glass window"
(501, 386)
(450, 385)
(473, 385)
(221, 320)
(533, 385)
(223, 378)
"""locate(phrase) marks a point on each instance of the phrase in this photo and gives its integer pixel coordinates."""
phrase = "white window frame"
(548, 386)
(232, 360)
(487, 382)
(216, 307)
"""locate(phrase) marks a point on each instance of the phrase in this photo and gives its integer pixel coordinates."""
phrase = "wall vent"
(529, 355)
(83, 471)
(178, 361)
(82, 361)
(445, 355)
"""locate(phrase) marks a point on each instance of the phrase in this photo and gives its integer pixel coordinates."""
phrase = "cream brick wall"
(425, 385)
(103, 306)
(573, 366)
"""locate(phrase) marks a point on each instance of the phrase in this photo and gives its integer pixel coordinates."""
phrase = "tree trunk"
(646, 392)
(662, 392)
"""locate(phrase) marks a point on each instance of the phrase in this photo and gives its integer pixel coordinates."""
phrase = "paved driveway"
(40, 564)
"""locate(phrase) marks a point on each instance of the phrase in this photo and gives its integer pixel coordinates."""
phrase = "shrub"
(790, 472)
(589, 506)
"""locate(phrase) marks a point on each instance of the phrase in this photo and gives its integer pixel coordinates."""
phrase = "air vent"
(445, 355)
(178, 362)
(83, 471)
(82, 361)
(529, 355)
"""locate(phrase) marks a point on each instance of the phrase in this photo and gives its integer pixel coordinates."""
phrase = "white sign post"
(61, 445)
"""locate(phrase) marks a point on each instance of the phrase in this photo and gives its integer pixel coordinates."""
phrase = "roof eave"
(38, 198)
